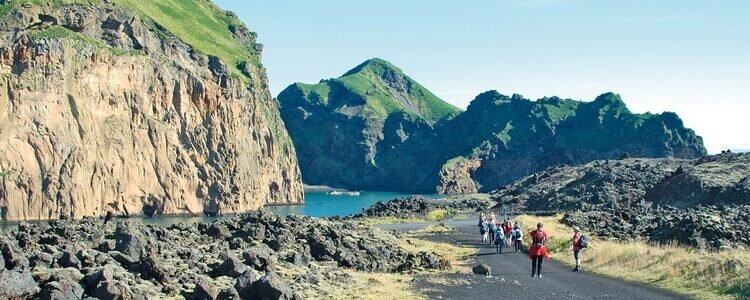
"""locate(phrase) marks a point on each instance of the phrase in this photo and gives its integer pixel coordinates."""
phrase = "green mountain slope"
(203, 25)
(374, 89)
(373, 127)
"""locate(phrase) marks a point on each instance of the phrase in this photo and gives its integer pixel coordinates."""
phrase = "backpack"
(516, 234)
(583, 242)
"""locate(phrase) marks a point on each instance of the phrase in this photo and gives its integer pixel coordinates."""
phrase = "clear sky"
(690, 57)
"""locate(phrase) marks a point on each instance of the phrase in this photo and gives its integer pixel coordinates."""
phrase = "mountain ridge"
(496, 140)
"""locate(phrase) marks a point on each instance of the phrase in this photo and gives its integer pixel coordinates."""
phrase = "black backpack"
(583, 242)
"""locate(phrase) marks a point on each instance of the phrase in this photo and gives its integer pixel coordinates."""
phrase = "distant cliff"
(376, 128)
(126, 107)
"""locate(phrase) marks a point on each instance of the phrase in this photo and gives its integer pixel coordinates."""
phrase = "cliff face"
(103, 109)
(345, 140)
(513, 137)
(363, 129)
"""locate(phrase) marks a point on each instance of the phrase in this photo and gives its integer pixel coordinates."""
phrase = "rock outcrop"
(712, 180)
(708, 227)
(104, 109)
(261, 256)
(376, 129)
(420, 207)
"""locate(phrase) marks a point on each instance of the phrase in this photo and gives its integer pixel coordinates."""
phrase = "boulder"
(482, 269)
(61, 290)
(151, 268)
(130, 240)
(17, 284)
(113, 290)
(271, 286)
(244, 285)
(259, 257)
(69, 260)
(205, 290)
(232, 266)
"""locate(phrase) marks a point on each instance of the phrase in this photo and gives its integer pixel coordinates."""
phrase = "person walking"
(538, 250)
(499, 240)
(491, 226)
(517, 237)
(578, 244)
(483, 228)
(508, 231)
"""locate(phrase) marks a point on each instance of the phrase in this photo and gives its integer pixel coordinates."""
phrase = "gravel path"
(511, 275)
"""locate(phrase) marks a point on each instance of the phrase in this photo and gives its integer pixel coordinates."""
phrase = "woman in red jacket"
(577, 247)
(538, 250)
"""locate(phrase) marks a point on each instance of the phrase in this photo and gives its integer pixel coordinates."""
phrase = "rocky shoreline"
(419, 207)
(253, 255)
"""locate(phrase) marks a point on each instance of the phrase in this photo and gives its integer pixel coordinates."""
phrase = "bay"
(317, 204)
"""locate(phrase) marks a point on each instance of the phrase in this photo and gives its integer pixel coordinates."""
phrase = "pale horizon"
(684, 57)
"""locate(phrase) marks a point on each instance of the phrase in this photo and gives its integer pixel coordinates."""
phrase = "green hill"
(206, 27)
(375, 89)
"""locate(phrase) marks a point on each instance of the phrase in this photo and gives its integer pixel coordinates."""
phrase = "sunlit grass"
(688, 271)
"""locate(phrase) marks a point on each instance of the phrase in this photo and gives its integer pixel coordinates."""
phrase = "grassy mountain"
(509, 137)
(361, 129)
(206, 27)
(373, 127)
(374, 89)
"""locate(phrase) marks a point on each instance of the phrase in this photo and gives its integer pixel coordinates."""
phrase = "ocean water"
(320, 204)
(317, 204)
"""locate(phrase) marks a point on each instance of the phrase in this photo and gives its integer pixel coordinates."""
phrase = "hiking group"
(509, 234)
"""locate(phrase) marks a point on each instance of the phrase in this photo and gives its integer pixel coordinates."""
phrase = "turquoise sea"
(317, 204)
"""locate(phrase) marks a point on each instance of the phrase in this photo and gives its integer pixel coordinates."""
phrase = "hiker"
(499, 240)
(538, 249)
(517, 237)
(483, 227)
(579, 243)
(508, 233)
(491, 226)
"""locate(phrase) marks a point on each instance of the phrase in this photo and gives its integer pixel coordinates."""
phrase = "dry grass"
(378, 286)
(702, 275)
(414, 242)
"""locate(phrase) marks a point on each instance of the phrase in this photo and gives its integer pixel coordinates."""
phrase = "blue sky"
(690, 57)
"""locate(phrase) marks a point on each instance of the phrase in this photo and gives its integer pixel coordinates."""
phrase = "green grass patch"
(57, 32)
(438, 215)
(199, 23)
(4, 9)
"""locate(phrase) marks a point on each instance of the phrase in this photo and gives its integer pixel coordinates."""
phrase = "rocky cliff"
(375, 128)
(368, 129)
(712, 180)
(121, 107)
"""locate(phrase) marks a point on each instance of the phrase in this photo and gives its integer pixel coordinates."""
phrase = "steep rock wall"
(100, 112)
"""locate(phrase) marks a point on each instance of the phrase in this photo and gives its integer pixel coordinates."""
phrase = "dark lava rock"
(130, 240)
(61, 290)
(69, 260)
(17, 284)
(259, 258)
(113, 290)
(42, 259)
(91, 280)
(152, 269)
(271, 286)
(482, 269)
(299, 259)
(244, 285)
(205, 290)
(125, 260)
(232, 266)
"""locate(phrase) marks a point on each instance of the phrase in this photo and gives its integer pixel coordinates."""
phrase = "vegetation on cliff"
(364, 130)
(127, 107)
